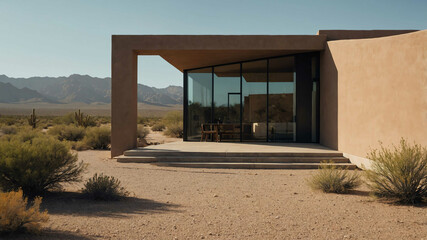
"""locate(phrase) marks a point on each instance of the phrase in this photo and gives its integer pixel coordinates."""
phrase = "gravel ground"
(182, 203)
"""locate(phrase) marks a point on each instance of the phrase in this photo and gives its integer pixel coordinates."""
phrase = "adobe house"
(343, 89)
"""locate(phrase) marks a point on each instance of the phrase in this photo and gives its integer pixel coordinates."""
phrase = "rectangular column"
(124, 98)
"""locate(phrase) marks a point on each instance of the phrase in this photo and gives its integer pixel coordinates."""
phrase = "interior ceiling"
(188, 59)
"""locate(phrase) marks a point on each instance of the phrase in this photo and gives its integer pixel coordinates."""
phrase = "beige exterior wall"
(374, 90)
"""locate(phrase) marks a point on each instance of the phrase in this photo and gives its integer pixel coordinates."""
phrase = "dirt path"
(180, 203)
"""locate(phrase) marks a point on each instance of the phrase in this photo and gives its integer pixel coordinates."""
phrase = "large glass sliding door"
(254, 100)
(281, 99)
(199, 103)
(227, 101)
(273, 99)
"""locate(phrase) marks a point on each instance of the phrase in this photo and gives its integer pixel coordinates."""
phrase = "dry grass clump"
(148, 121)
(175, 130)
(9, 130)
(16, 217)
(330, 179)
(68, 132)
(142, 132)
(399, 173)
(98, 138)
(174, 124)
(158, 126)
(36, 163)
(101, 187)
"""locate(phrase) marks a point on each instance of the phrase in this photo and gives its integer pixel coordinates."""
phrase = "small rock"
(295, 193)
(277, 217)
(291, 174)
(215, 195)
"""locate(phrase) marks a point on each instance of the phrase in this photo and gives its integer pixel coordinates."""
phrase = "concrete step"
(240, 165)
(210, 159)
(135, 159)
(166, 153)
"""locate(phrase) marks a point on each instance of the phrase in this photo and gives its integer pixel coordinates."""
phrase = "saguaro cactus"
(32, 120)
(81, 120)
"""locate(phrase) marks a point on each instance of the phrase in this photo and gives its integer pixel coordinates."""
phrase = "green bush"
(15, 216)
(399, 173)
(158, 126)
(9, 130)
(67, 119)
(142, 132)
(101, 187)
(175, 130)
(67, 132)
(98, 138)
(174, 124)
(173, 117)
(36, 163)
(148, 121)
(330, 179)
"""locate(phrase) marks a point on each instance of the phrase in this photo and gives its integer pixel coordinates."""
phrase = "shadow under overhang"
(189, 59)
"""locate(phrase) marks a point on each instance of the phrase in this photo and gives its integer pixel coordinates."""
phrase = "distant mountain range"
(78, 88)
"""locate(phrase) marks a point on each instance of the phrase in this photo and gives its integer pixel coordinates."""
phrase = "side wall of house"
(374, 90)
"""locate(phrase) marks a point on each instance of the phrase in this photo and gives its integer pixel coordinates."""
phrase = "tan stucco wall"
(374, 90)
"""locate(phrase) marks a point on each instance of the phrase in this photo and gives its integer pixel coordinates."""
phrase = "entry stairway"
(236, 160)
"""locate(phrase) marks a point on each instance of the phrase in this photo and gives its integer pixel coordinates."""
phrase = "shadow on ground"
(359, 193)
(47, 234)
(72, 203)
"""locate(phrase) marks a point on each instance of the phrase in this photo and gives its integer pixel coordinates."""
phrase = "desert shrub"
(36, 163)
(67, 132)
(330, 179)
(9, 130)
(101, 187)
(158, 126)
(142, 132)
(16, 217)
(174, 124)
(13, 120)
(79, 146)
(173, 117)
(102, 120)
(175, 130)
(67, 119)
(98, 138)
(399, 173)
(148, 121)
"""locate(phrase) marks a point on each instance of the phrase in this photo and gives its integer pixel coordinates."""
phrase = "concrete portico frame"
(184, 52)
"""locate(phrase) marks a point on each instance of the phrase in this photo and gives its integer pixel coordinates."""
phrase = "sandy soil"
(181, 203)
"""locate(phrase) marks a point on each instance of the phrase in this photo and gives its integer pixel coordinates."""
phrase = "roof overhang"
(195, 51)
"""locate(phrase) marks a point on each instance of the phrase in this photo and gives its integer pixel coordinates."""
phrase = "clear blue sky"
(62, 37)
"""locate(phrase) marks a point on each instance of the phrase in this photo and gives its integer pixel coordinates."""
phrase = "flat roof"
(195, 51)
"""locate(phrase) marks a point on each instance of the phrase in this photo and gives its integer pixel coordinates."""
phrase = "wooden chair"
(209, 130)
